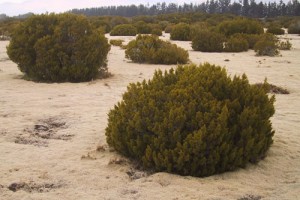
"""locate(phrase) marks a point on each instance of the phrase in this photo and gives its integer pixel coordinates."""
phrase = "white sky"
(16, 7)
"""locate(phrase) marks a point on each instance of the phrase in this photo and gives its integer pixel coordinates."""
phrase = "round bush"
(150, 49)
(267, 45)
(207, 41)
(124, 30)
(181, 32)
(252, 39)
(275, 30)
(142, 27)
(193, 121)
(236, 44)
(157, 32)
(294, 28)
(59, 48)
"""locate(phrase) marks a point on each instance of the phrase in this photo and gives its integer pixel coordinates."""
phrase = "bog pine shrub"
(181, 31)
(275, 30)
(59, 48)
(207, 41)
(267, 45)
(124, 30)
(150, 49)
(193, 121)
(294, 28)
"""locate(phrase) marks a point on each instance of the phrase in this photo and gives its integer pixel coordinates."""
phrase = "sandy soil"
(49, 134)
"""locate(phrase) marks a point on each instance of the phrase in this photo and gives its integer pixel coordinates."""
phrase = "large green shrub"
(294, 28)
(142, 27)
(193, 121)
(275, 30)
(236, 44)
(150, 49)
(267, 45)
(246, 26)
(123, 30)
(181, 32)
(207, 41)
(252, 39)
(58, 48)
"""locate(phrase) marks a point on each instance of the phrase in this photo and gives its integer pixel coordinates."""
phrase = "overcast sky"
(16, 7)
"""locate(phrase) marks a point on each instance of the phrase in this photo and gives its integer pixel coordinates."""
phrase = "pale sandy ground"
(72, 168)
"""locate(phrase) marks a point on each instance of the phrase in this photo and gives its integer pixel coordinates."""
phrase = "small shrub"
(59, 48)
(284, 45)
(123, 30)
(207, 41)
(118, 43)
(142, 27)
(150, 49)
(267, 45)
(236, 44)
(181, 32)
(275, 30)
(157, 32)
(246, 26)
(169, 28)
(193, 121)
(294, 28)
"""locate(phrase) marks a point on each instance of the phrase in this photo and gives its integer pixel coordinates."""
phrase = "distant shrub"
(123, 30)
(207, 41)
(156, 31)
(275, 30)
(284, 45)
(169, 28)
(150, 49)
(294, 28)
(236, 44)
(181, 32)
(246, 26)
(59, 48)
(193, 121)
(267, 45)
(116, 42)
(142, 27)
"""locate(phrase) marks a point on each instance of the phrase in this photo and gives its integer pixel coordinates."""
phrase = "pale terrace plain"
(49, 135)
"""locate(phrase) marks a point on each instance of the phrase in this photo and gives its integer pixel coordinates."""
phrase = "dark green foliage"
(252, 39)
(246, 26)
(207, 41)
(156, 31)
(59, 48)
(142, 27)
(236, 44)
(275, 30)
(181, 32)
(267, 45)
(150, 49)
(169, 28)
(294, 28)
(123, 30)
(193, 121)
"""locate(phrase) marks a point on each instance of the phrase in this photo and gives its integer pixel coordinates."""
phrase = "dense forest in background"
(248, 8)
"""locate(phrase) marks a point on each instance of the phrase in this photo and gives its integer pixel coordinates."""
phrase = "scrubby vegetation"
(124, 30)
(58, 48)
(193, 121)
(267, 45)
(181, 31)
(284, 45)
(236, 44)
(118, 43)
(207, 41)
(275, 30)
(150, 49)
(156, 31)
(294, 28)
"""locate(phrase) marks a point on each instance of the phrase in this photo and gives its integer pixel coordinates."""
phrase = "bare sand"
(49, 134)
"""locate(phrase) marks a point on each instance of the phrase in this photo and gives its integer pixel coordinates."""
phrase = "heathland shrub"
(169, 28)
(123, 30)
(59, 48)
(236, 44)
(150, 49)
(246, 26)
(267, 45)
(118, 43)
(275, 30)
(193, 121)
(157, 32)
(142, 27)
(207, 41)
(284, 45)
(294, 28)
(181, 32)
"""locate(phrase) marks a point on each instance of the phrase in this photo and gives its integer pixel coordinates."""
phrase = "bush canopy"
(193, 121)
(59, 48)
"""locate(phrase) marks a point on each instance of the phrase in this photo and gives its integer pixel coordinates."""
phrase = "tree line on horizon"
(248, 8)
